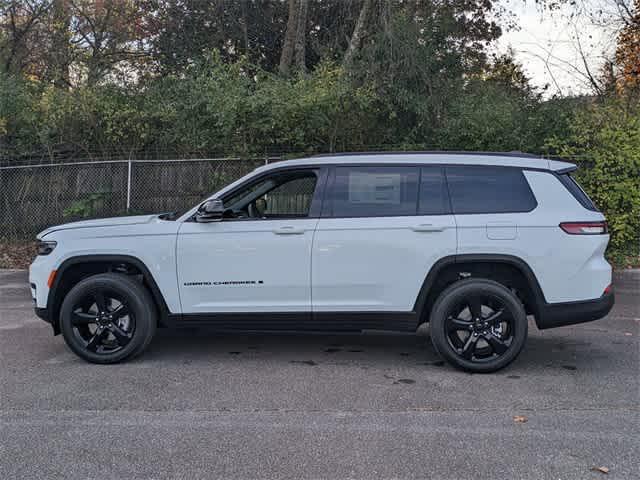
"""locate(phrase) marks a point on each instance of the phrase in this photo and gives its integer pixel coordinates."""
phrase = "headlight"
(45, 248)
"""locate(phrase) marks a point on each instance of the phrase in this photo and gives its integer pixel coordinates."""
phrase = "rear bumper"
(553, 315)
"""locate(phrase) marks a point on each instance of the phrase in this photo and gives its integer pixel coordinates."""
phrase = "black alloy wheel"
(102, 321)
(107, 318)
(478, 325)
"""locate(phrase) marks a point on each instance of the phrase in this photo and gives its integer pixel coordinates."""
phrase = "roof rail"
(430, 152)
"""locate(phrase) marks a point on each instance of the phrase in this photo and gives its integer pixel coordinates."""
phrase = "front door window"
(282, 195)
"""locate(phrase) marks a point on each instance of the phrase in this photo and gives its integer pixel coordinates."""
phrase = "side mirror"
(210, 211)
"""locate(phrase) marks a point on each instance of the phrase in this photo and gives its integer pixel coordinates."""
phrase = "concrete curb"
(627, 272)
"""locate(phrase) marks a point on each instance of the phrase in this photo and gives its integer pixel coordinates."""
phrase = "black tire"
(478, 340)
(108, 318)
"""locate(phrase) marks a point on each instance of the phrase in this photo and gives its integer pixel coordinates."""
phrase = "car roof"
(507, 159)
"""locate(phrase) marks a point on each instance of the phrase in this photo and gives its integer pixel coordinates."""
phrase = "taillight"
(608, 290)
(584, 228)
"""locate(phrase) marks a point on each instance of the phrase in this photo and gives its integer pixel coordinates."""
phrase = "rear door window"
(365, 191)
(480, 189)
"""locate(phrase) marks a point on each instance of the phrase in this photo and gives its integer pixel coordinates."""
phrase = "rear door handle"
(288, 230)
(427, 227)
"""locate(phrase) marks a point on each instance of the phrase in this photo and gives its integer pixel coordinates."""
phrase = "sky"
(548, 45)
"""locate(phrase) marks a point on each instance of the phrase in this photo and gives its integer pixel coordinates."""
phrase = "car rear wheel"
(478, 325)
(108, 318)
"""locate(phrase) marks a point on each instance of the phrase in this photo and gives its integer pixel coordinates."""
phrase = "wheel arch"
(74, 269)
(505, 269)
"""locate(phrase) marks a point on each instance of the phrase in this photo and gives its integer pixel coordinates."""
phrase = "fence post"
(129, 185)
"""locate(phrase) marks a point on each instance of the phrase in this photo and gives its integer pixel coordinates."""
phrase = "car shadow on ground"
(560, 350)
(209, 343)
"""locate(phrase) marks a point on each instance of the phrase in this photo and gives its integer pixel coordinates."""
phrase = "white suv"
(472, 243)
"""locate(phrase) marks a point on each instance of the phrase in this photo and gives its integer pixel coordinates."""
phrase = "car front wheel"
(107, 318)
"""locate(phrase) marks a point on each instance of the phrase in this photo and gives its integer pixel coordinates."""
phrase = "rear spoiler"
(561, 167)
(570, 169)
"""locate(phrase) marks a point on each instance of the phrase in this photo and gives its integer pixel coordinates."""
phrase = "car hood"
(101, 222)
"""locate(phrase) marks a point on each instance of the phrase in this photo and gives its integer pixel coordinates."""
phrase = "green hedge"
(604, 139)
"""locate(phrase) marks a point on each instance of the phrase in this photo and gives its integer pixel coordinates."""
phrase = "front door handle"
(288, 230)
(427, 227)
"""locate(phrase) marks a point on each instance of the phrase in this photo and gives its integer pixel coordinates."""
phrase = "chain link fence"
(33, 197)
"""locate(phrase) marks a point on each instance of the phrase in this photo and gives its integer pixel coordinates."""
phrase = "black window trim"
(443, 171)
(327, 210)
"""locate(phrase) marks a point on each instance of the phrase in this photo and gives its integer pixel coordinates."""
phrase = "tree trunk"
(301, 36)
(358, 32)
(288, 46)
(245, 27)
(95, 61)
(60, 44)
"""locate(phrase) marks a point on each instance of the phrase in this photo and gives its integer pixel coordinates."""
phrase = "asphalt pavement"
(200, 405)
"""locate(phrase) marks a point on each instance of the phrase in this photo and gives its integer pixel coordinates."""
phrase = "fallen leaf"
(604, 470)
(520, 419)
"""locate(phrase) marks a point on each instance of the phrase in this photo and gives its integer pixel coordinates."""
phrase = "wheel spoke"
(96, 339)
(455, 324)
(469, 347)
(122, 337)
(498, 346)
(120, 311)
(101, 302)
(475, 307)
(495, 316)
(81, 318)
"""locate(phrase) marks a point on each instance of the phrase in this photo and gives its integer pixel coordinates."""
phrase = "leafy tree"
(107, 35)
(17, 115)
(628, 53)
(418, 58)
(21, 24)
(184, 31)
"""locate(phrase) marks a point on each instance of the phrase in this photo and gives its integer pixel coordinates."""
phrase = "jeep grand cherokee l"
(471, 243)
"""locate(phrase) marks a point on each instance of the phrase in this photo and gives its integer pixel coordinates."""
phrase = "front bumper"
(553, 315)
(42, 313)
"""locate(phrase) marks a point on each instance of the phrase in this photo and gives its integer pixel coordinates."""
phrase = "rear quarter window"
(480, 189)
(576, 190)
